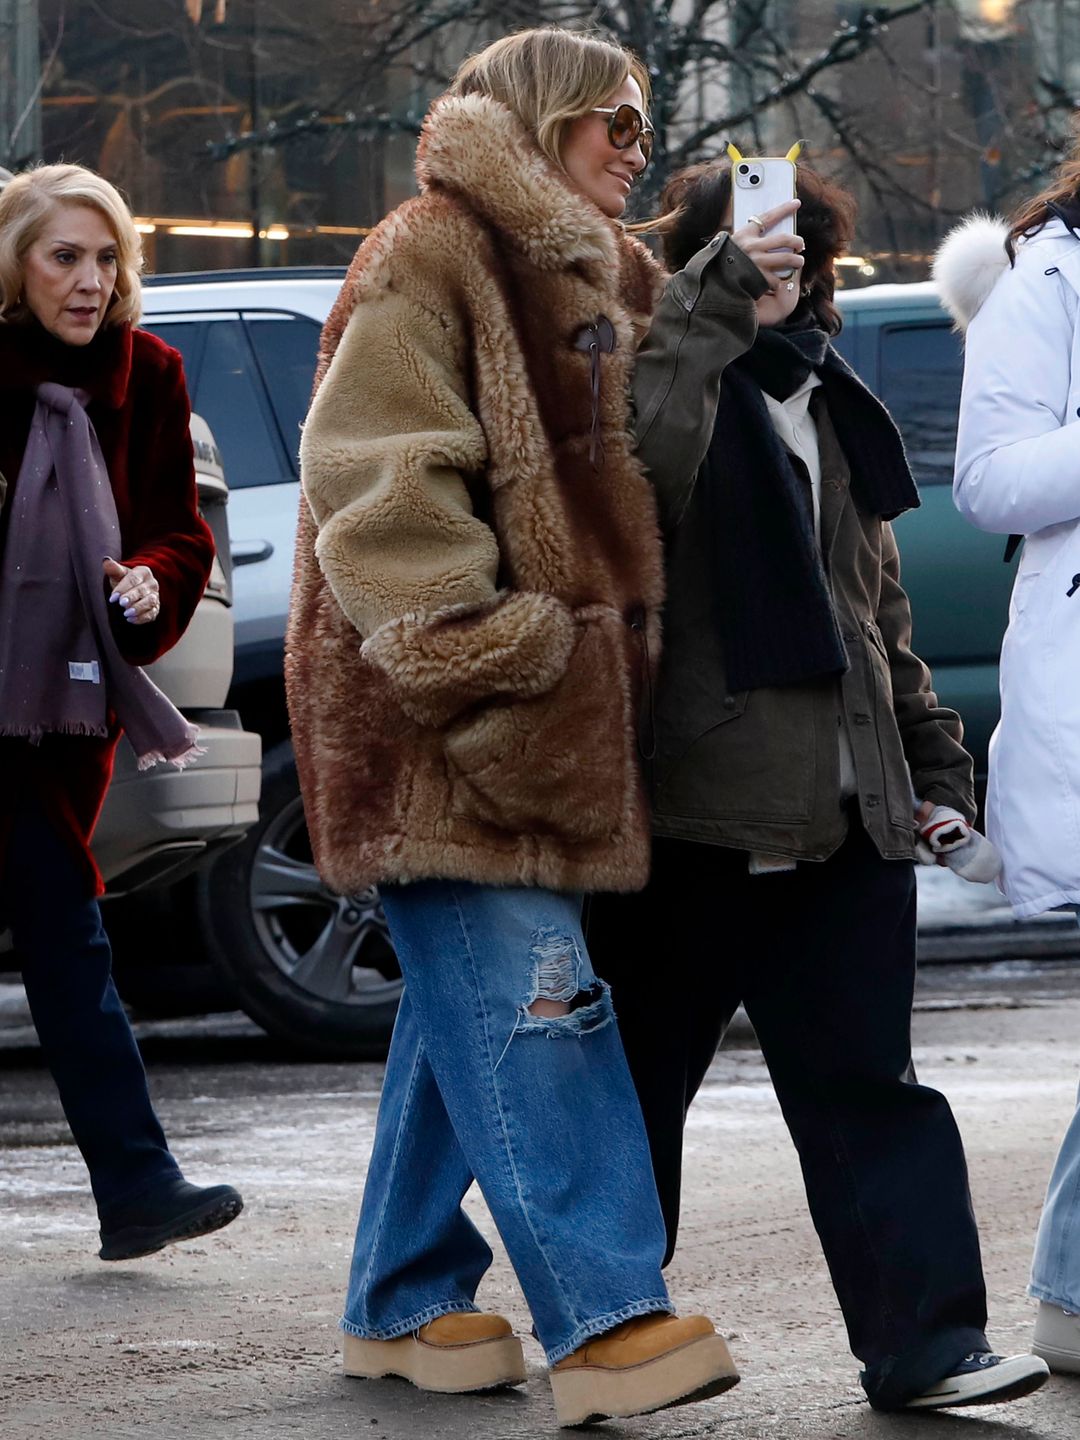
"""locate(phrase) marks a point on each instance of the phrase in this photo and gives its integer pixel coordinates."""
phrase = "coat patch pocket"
(560, 764)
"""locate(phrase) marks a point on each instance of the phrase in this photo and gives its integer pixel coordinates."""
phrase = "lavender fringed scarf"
(61, 670)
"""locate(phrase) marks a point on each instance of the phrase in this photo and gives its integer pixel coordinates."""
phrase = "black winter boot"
(173, 1210)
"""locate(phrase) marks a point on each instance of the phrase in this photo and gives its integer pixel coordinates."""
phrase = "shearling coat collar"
(476, 147)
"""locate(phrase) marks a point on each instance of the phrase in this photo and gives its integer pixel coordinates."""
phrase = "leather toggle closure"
(597, 339)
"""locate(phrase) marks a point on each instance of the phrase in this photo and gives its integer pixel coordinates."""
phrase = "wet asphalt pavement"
(233, 1336)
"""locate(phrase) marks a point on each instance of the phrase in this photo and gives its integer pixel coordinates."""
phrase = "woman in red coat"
(103, 559)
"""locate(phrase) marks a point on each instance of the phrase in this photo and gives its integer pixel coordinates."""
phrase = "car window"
(921, 371)
(184, 336)
(844, 343)
(286, 347)
(228, 394)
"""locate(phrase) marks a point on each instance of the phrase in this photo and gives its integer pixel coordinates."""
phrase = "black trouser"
(823, 958)
(84, 1033)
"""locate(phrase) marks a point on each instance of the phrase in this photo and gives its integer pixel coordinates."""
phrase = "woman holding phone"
(793, 723)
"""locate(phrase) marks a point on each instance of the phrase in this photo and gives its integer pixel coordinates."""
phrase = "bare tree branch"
(847, 44)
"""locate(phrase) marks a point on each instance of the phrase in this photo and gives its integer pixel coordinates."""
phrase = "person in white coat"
(1014, 289)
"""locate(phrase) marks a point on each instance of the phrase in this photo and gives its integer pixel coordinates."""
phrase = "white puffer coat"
(1018, 472)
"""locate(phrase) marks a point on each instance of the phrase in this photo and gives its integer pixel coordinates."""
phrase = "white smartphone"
(760, 183)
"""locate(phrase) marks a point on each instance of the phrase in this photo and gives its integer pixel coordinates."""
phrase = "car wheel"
(313, 968)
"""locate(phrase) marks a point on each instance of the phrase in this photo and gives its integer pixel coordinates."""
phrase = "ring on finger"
(757, 220)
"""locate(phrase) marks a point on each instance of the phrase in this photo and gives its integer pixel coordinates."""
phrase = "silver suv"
(158, 823)
(314, 968)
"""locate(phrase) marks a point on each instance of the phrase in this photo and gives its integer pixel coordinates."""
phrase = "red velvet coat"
(140, 410)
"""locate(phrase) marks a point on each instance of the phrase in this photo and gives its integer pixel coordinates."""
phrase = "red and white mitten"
(947, 834)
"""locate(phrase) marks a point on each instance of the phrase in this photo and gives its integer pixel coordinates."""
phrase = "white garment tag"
(761, 864)
(85, 670)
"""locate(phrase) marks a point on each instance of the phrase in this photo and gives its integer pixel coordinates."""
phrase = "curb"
(1048, 939)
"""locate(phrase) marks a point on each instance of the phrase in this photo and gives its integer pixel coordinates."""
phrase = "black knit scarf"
(776, 614)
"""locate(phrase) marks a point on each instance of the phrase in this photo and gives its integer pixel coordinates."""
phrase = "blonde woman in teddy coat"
(474, 620)
(1015, 291)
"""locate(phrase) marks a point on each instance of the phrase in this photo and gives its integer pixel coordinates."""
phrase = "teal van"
(903, 345)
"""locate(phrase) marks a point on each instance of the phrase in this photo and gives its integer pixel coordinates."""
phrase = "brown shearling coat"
(475, 601)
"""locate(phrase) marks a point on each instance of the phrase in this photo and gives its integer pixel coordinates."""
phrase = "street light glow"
(996, 12)
(232, 232)
(238, 229)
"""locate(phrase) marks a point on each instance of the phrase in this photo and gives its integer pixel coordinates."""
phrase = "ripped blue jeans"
(541, 1112)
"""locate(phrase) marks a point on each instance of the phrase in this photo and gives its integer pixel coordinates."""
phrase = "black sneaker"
(174, 1210)
(984, 1379)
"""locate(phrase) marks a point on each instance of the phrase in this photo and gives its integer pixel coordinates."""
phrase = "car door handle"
(250, 552)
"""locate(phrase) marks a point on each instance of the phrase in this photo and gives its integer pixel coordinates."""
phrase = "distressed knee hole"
(556, 962)
(548, 1009)
(564, 1000)
(558, 1005)
(559, 1002)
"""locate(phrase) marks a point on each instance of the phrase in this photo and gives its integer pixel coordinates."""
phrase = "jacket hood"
(968, 264)
(476, 147)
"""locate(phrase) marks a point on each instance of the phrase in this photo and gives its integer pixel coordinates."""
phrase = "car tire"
(313, 968)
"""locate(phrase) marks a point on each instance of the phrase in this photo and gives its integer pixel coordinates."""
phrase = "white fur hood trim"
(968, 264)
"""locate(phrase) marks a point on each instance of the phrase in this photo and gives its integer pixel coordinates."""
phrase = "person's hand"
(135, 589)
(924, 813)
(774, 252)
(944, 836)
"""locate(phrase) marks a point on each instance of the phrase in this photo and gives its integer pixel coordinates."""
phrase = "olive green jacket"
(760, 770)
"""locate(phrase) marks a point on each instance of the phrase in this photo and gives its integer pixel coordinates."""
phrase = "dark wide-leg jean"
(823, 959)
(84, 1033)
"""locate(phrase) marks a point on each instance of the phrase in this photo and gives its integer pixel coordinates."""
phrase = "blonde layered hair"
(550, 77)
(27, 201)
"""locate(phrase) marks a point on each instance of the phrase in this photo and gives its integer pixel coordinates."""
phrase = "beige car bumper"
(159, 822)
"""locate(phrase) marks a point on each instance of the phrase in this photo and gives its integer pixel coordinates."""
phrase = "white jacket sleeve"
(1017, 453)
